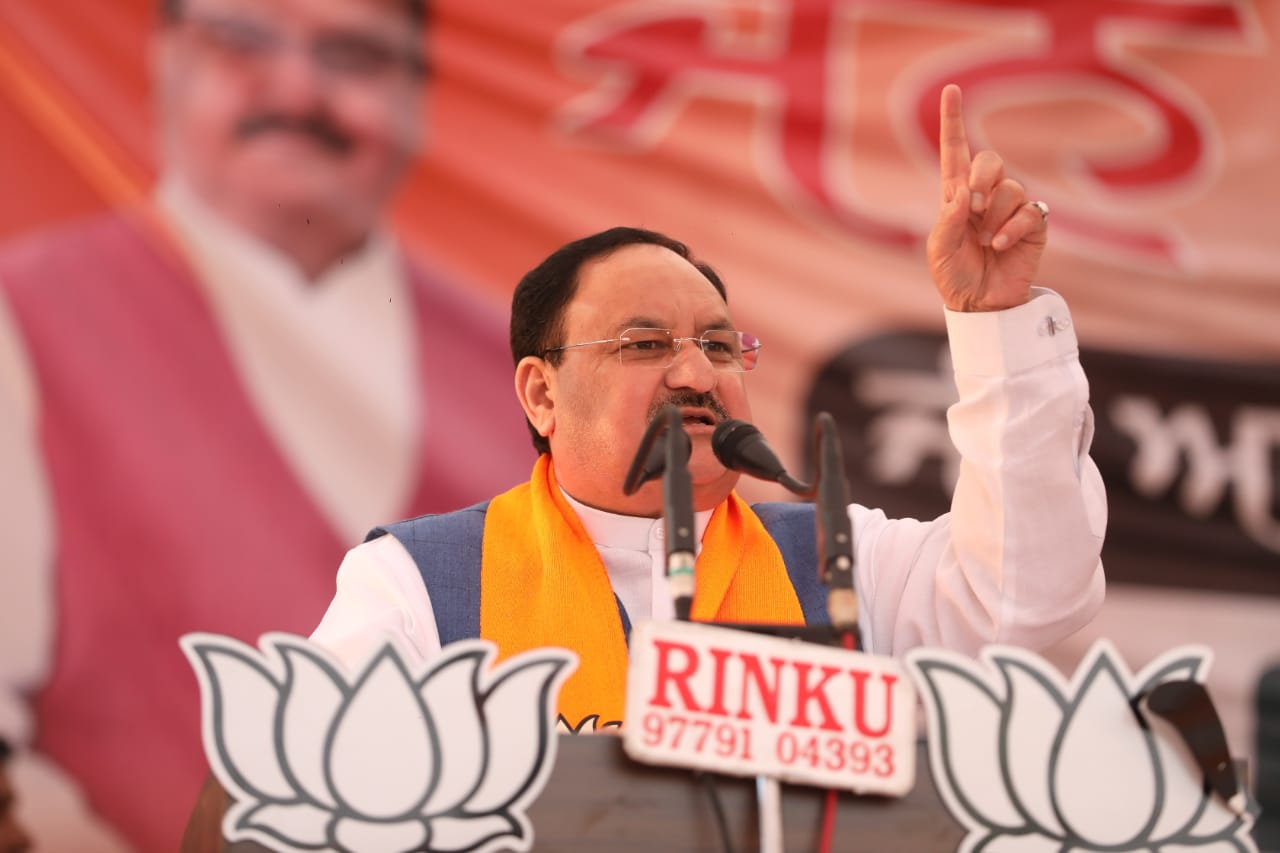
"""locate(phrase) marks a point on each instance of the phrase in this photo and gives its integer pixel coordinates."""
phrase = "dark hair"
(543, 294)
(5, 750)
(171, 11)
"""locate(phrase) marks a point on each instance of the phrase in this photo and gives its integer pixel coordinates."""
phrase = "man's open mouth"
(698, 418)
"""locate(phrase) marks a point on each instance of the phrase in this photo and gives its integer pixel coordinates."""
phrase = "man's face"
(290, 107)
(601, 406)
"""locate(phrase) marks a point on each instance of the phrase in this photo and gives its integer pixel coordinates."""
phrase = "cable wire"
(850, 642)
(708, 782)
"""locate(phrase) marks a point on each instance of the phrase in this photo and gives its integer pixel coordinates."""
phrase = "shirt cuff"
(1001, 343)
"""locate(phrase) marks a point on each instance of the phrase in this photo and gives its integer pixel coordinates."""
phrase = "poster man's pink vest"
(174, 510)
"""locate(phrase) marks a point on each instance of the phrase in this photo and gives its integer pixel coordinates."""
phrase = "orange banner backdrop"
(789, 144)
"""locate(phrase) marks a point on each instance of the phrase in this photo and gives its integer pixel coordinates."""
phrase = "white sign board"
(752, 705)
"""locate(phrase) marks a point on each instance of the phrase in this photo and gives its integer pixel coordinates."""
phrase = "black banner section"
(1189, 450)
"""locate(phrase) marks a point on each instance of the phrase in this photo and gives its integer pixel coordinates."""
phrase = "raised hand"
(985, 248)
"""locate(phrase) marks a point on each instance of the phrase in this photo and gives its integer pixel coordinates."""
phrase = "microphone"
(740, 447)
(664, 452)
(651, 457)
(835, 532)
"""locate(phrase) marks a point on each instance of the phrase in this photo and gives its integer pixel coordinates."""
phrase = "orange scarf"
(542, 583)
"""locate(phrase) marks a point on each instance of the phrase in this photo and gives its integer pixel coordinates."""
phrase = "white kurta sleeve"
(1016, 560)
(380, 598)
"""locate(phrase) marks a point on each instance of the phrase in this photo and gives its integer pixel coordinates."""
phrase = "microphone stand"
(835, 532)
(677, 516)
(672, 464)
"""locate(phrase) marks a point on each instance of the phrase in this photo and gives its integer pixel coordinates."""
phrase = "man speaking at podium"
(611, 328)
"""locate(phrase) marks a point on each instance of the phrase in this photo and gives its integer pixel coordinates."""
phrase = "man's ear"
(535, 388)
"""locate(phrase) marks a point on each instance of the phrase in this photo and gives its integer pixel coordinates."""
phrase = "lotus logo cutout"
(1027, 761)
(445, 760)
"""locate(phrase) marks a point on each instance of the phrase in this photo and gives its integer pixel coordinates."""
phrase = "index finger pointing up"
(953, 145)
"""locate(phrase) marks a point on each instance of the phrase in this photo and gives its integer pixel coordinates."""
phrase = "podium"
(600, 800)
(1126, 761)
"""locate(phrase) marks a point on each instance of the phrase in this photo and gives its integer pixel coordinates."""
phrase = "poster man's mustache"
(313, 125)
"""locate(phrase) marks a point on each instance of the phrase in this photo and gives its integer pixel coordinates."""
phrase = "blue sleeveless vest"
(447, 551)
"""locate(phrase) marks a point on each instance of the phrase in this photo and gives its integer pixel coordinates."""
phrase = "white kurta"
(1015, 561)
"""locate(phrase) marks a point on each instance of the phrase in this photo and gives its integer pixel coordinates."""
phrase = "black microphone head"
(832, 480)
(726, 438)
(650, 460)
(740, 447)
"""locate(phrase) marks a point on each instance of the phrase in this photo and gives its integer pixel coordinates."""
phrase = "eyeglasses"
(725, 349)
(342, 55)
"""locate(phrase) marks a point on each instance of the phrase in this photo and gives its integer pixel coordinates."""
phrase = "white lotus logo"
(1026, 761)
(447, 760)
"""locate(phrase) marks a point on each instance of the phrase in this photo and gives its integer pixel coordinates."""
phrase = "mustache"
(692, 399)
(315, 125)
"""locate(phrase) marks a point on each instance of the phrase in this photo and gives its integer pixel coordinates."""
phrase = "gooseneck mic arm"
(664, 452)
(835, 531)
(651, 456)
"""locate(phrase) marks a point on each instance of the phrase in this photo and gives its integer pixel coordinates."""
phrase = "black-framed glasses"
(341, 54)
(724, 348)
